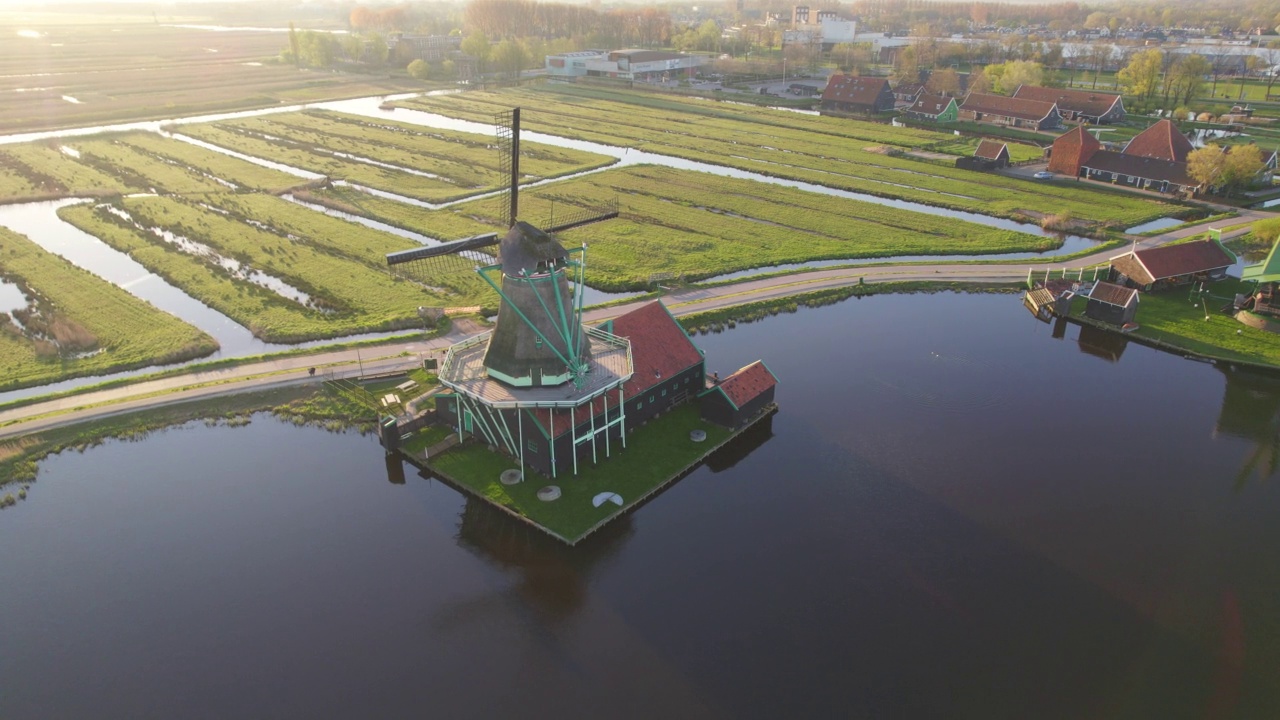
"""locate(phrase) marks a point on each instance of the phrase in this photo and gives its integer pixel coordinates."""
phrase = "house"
(1170, 265)
(996, 154)
(1013, 112)
(1266, 299)
(1082, 106)
(1155, 159)
(857, 94)
(740, 397)
(1112, 304)
(1161, 141)
(907, 92)
(934, 108)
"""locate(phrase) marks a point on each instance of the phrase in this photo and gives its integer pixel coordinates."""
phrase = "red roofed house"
(1083, 106)
(733, 401)
(1014, 112)
(1161, 141)
(856, 94)
(1155, 159)
(995, 154)
(1156, 268)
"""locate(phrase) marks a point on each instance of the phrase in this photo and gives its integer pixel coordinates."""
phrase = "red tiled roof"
(746, 385)
(1173, 260)
(1086, 102)
(854, 89)
(660, 349)
(927, 104)
(1072, 150)
(1007, 106)
(1162, 141)
(990, 150)
(1113, 294)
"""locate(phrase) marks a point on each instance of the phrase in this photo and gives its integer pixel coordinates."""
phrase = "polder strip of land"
(835, 152)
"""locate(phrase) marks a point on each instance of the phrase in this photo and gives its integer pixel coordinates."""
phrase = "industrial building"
(638, 65)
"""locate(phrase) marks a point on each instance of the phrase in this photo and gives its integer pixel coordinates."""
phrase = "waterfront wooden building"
(1266, 297)
(1170, 265)
(1113, 304)
(735, 400)
(992, 153)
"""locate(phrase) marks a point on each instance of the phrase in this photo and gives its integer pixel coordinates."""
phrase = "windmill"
(539, 361)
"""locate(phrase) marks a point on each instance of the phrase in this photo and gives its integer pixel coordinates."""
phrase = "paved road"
(371, 360)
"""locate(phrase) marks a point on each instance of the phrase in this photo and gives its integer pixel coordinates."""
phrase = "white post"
(551, 413)
(605, 397)
(1028, 277)
(520, 431)
(591, 410)
(573, 433)
(622, 418)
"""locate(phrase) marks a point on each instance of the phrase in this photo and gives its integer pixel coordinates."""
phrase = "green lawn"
(654, 453)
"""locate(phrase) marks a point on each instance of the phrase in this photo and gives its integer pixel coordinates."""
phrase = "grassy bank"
(78, 324)
(728, 318)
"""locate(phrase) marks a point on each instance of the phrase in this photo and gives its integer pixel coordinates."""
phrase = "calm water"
(973, 519)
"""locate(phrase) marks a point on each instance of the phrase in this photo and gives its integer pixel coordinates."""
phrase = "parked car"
(1043, 175)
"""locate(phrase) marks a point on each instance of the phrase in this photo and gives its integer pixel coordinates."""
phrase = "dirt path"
(386, 358)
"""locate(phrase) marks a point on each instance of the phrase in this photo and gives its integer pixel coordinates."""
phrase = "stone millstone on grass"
(510, 477)
(549, 493)
(697, 435)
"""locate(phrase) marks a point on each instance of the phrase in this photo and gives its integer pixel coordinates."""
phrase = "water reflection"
(739, 448)
(1251, 411)
(1101, 343)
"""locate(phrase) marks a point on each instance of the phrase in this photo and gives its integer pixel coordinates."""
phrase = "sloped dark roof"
(854, 89)
(991, 150)
(747, 383)
(1149, 265)
(1086, 102)
(927, 104)
(1162, 141)
(1113, 294)
(912, 89)
(1007, 106)
(1142, 167)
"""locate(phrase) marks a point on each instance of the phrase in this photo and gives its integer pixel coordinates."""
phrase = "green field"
(411, 160)
(81, 325)
(333, 261)
(696, 225)
(834, 152)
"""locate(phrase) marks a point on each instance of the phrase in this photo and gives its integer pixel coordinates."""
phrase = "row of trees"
(1228, 171)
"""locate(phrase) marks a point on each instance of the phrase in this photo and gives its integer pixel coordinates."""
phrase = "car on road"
(1043, 175)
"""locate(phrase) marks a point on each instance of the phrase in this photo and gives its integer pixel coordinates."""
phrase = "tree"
(477, 46)
(1240, 167)
(1141, 77)
(944, 82)
(509, 57)
(419, 69)
(1020, 72)
(1187, 78)
(905, 67)
(1205, 165)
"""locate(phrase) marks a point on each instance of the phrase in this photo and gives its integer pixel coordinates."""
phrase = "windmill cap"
(526, 249)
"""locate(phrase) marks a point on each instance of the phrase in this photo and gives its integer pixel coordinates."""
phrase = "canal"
(958, 512)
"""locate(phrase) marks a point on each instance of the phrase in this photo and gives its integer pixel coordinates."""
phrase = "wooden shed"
(741, 396)
(1112, 304)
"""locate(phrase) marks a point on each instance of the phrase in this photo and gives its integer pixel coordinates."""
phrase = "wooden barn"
(1112, 304)
(733, 401)
(993, 153)
(1082, 106)
(1013, 112)
(1161, 267)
